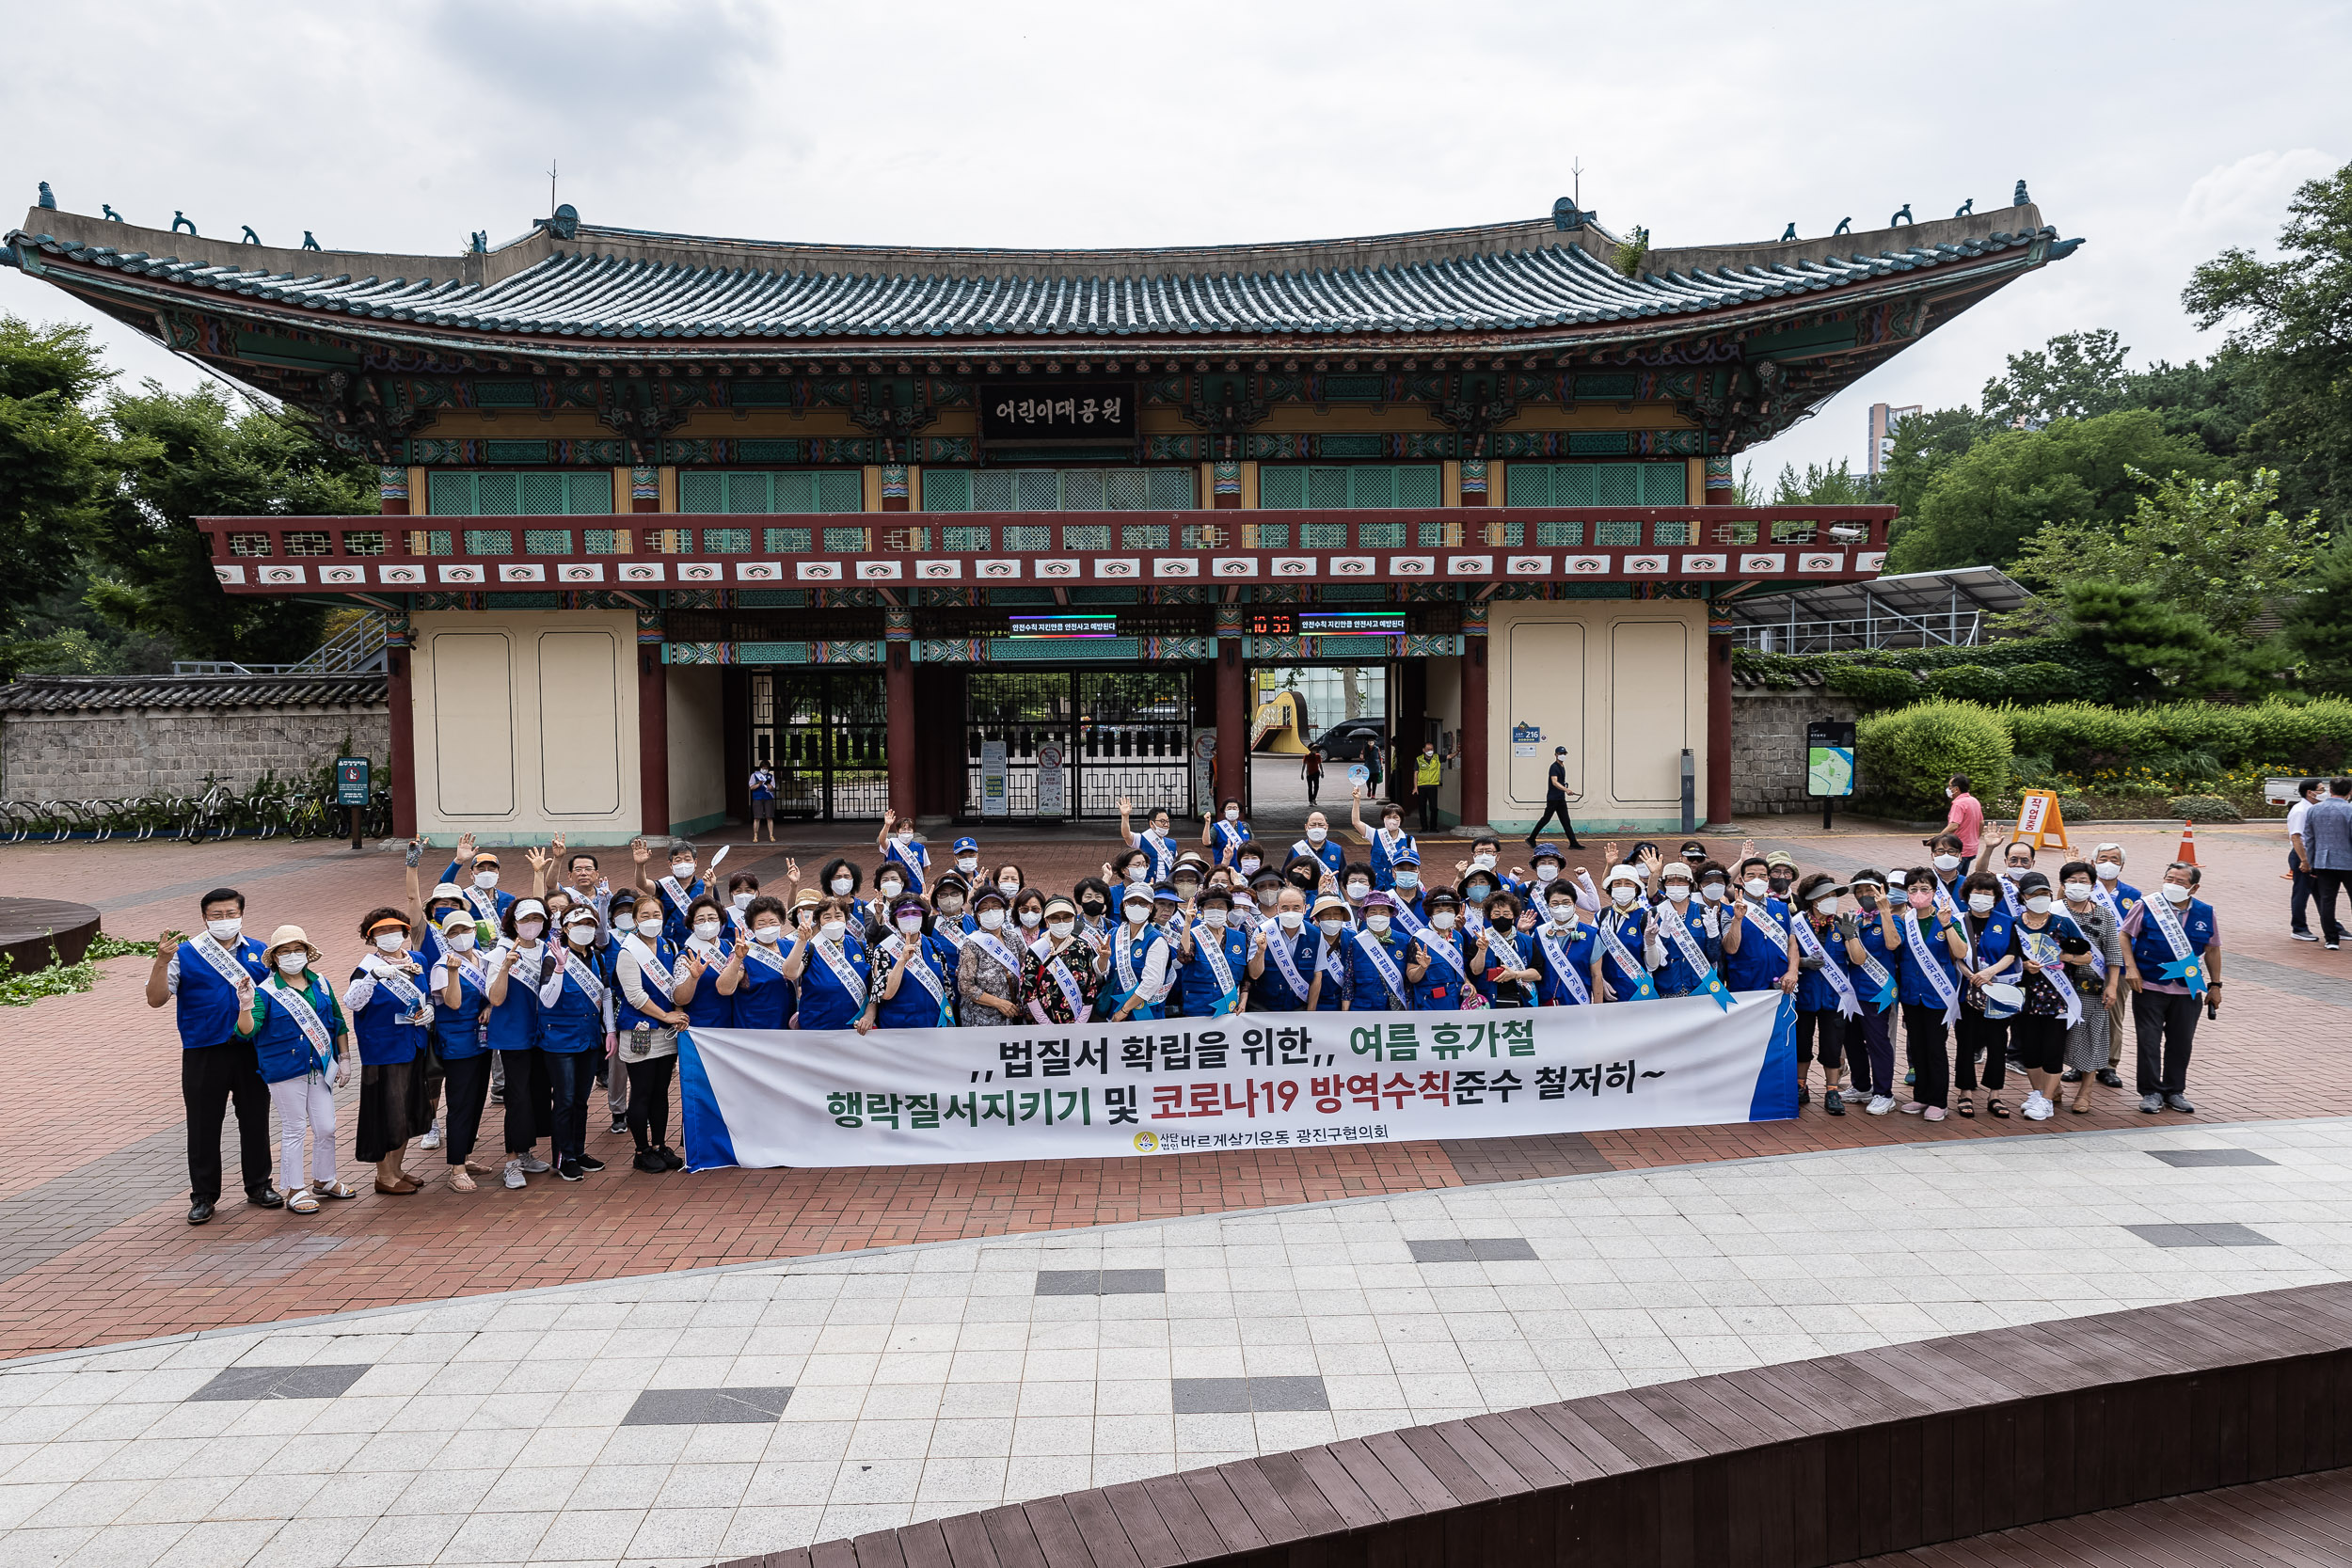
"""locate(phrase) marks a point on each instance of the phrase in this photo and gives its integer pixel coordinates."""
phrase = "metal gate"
(825, 733)
(1122, 734)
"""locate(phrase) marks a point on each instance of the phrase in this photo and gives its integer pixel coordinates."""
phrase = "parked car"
(1344, 743)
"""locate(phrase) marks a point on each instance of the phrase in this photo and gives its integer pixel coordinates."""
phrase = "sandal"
(334, 1189)
(401, 1188)
(2080, 1105)
(301, 1201)
(460, 1181)
(1996, 1110)
(1967, 1108)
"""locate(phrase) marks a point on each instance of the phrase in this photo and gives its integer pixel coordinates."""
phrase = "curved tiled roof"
(587, 294)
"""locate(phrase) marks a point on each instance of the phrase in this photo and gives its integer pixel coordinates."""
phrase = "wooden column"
(653, 742)
(1233, 712)
(391, 490)
(404, 726)
(898, 710)
(1718, 718)
(1720, 488)
(1474, 739)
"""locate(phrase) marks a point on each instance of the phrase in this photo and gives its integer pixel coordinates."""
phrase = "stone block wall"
(1767, 753)
(104, 754)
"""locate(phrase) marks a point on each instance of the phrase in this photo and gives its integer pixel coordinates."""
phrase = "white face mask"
(991, 919)
(770, 935)
(1442, 920)
(650, 927)
(1292, 919)
(486, 880)
(1621, 896)
(1249, 864)
(225, 930)
(293, 963)
(904, 836)
(1059, 929)
(1947, 863)
(1409, 879)
(1138, 873)
(528, 930)
(582, 932)
(2175, 894)
(1137, 914)
(707, 930)
(1825, 905)
(1330, 927)
(1213, 919)
(1563, 914)
(1357, 891)
(2037, 904)
(1393, 824)
(1316, 835)
(967, 863)
(1755, 887)
(1677, 892)
(1547, 873)
(1187, 890)
(1030, 917)
(910, 924)
(834, 930)
(391, 942)
(1712, 893)
(683, 871)
(841, 886)
(890, 887)
(2108, 871)
(951, 903)
(1483, 861)
(1232, 814)
(1981, 903)
(459, 940)
(2078, 892)
(1377, 925)
(743, 900)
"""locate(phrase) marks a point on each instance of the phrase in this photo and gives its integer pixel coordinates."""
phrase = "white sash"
(905, 857)
(1153, 842)
(995, 948)
(1848, 1004)
(679, 898)
(837, 960)
(1229, 839)
(1279, 947)
(1440, 944)
(1678, 933)
(221, 961)
(1878, 975)
(1392, 977)
(1057, 969)
(2009, 898)
(1414, 924)
(1931, 966)
(1771, 929)
(649, 966)
(920, 967)
(765, 954)
(1210, 944)
(420, 1006)
(1562, 966)
(1613, 944)
(1124, 960)
(591, 983)
(1944, 901)
(2175, 935)
(305, 1016)
(1392, 844)
(486, 904)
(2105, 896)
(2054, 969)
(951, 927)
(1311, 852)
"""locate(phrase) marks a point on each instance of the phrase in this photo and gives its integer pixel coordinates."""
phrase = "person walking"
(2178, 931)
(1966, 819)
(2327, 831)
(1311, 769)
(1555, 801)
(1428, 770)
(203, 976)
(2300, 861)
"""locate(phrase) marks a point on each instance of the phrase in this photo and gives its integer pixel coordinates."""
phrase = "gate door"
(825, 735)
(1122, 735)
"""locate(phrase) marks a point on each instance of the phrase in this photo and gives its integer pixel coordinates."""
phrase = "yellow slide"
(1281, 727)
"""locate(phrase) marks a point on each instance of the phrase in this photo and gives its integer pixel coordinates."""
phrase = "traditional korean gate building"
(656, 505)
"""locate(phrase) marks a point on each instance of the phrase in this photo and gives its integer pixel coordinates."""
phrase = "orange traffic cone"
(2188, 844)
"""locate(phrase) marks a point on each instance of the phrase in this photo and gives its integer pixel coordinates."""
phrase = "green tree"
(2318, 635)
(1981, 506)
(2150, 649)
(1921, 447)
(1820, 484)
(2076, 375)
(192, 454)
(2294, 317)
(55, 461)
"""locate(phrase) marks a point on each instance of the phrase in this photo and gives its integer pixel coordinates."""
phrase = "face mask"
(1409, 879)
(650, 927)
(1866, 899)
(1138, 914)
(1949, 793)
(2037, 904)
(1712, 893)
(1756, 887)
(991, 919)
(528, 930)
(1093, 907)
(1357, 892)
(890, 888)
(951, 903)
(2175, 894)
(769, 934)
(1268, 898)
(1547, 873)
(1478, 893)
(1677, 892)
(1395, 824)
(486, 880)
(967, 863)
(2015, 870)
(707, 930)
(293, 963)
(1825, 905)
(1030, 917)
(1232, 814)
(841, 886)
(1922, 900)
(225, 930)
(1059, 929)
(1780, 887)
(833, 930)
(1378, 924)
(1249, 864)
(2108, 871)
(1316, 835)
(1483, 861)
(1138, 873)
(910, 924)
(1947, 863)
(1442, 920)
(683, 871)
(458, 941)
(1981, 903)
(1188, 890)
(581, 934)
(1330, 927)
(2078, 892)
(1563, 914)
(743, 900)
(1621, 896)
(1213, 919)
(904, 836)
(1292, 919)
(391, 942)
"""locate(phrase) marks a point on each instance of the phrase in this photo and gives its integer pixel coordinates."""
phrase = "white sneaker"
(432, 1138)
(515, 1173)
(1880, 1104)
(532, 1164)
(2036, 1108)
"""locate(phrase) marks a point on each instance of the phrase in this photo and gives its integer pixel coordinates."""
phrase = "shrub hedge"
(1906, 755)
(2084, 739)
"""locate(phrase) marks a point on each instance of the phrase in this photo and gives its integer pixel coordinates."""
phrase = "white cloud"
(2243, 203)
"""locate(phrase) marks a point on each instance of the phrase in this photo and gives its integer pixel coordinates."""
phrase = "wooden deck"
(2303, 1522)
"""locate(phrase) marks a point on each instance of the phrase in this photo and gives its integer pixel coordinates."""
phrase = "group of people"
(531, 998)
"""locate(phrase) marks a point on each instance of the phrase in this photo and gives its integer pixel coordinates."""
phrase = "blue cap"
(1406, 855)
(1163, 892)
(964, 844)
(1546, 851)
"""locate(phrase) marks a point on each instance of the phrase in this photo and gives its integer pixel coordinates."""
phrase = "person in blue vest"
(1444, 957)
(480, 890)
(834, 969)
(1935, 954)
(1223, 835)
(2175, 944)
(1386, 843)
(302, 1048)
(752, 979)
(916, 989)
(897, 843)
(677, 891)
(1406, 883)
(1624, 934)
(1318, 846)
(576, 1013)
(2119, 898)
(202, 975)
(647, 1017)
(391, 1014)
(1986, 924)
(1355, 887)
(1330, 982)
(1212, 959)
(1567, 951)
(1874, 947)
(522, 964)
(1510, 970)
(1680, 965)
(458, 980)
(1156, 839)
(1282, 955)
(1139, 958)
(705, 954)
(1759, 952)
(1824, 983)
(2048, 946)
(1950, 857)
(1376, 960)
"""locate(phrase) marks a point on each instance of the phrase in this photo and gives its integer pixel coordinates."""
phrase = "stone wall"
(1768, 755)
(100, 753)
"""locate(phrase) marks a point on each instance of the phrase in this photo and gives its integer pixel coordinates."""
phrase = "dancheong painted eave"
(591, 290)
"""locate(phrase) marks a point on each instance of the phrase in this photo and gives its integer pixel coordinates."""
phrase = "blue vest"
(575, 1024)
(1197, 984)
(626, 1018)
(1815, 994)
(915, 1007)
(501, 899)
(673, 926)
(763, 999)
(1676, 977)
(1229, 838)
(914, 858)
(2151, 952)
(1139, 955)
(823, 1003)
(1383, 869)
(457, 1031)
(1506, 948)
(1550, 991)
(1991, 943)
(1758, 965)
(280, 1048)
(1270, 993)
(1370, 993)
(1913, 986)
(1439, 987)
(1333, 858)
(206, 1005)
(514, 1024)
(1629, 924)
(384, 1039)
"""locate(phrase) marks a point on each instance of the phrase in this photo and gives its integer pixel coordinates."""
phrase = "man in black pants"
(1555, 801)
(212, 980)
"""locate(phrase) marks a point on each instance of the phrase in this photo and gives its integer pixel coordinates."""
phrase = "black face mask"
(1093, 906)
(1867, 900)
(1305, 882)
(1780, 885)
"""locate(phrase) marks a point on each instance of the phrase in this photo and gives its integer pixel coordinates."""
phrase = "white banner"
(900, 1097)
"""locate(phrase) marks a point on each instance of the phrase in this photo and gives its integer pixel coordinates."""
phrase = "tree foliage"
(1820, 484)
(2076, 375)
(2319, 630)
(2153, 649)
(55, 458)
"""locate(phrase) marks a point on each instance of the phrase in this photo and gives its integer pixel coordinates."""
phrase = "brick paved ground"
(93, 1248)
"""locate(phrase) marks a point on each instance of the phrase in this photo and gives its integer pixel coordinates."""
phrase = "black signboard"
(1023, 412)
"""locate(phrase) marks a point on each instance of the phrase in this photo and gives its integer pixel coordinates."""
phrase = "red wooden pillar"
(1718, 717)
(653, 742)
(392, 490)
(1474, 739)
(404, 741)
(1233, 713)
(899, 709)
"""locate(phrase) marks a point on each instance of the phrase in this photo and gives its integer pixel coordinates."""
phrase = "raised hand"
(791, 871)
(1747, 848)
(1609, 849)
(640, 852)
(557, 847)
(537, 857)
(465, 846)
(1651, 862)
(889, 818)
(1126, 806)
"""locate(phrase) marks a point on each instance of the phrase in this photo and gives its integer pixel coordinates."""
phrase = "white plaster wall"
(698, 790)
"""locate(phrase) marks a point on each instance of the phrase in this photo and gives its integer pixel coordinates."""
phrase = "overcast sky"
(2163, 131)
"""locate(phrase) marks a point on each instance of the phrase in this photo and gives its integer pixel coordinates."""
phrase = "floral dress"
(1040, 988)
(978, 970)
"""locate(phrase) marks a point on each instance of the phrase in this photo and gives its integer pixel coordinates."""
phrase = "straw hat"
(289, 935)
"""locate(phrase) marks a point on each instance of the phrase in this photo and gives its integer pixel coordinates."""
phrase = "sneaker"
(533, 1164)
(1833, 1102)
(1913, 1108)
(620, 1124)
(1910, 1077)
(2302, 936)
(1935, 1112)
(2178, 1102)
(2036, 1108)
(569, 1170)
(1804, 1094)
(498, 1097)
(672, 1157)
(1880, 1104)
(2150, 1103)
(2110, 1078)
(460, 1180)
(589, 1161)
(432, 1138)
(514, 1173)
(2332, 947)
(649, 1162)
